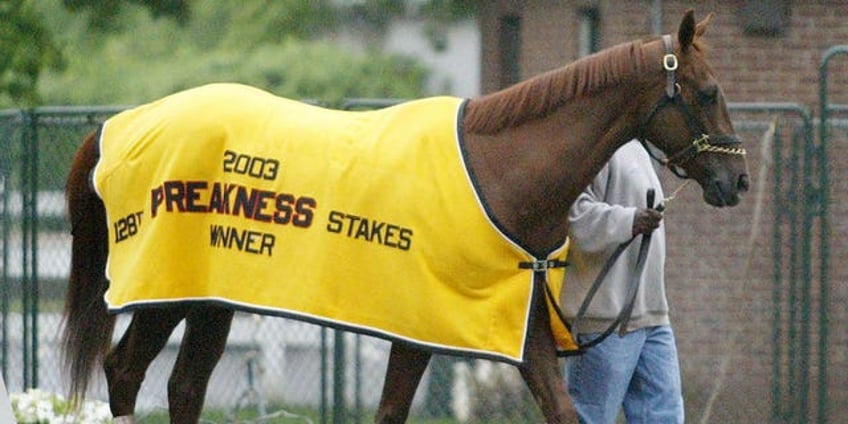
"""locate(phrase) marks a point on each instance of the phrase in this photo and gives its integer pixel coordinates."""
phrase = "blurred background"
(757, 292)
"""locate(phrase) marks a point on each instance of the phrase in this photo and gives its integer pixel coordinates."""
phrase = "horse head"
(690, 122)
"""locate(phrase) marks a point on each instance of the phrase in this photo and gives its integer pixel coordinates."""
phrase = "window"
(509, 46)
(588, 32)
(765, 17)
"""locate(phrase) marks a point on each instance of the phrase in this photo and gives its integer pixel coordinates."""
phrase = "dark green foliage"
(26, 47)
(102, 14)
(275, 45)
(76, 52)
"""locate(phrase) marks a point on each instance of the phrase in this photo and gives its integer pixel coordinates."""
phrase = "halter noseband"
(726, 144)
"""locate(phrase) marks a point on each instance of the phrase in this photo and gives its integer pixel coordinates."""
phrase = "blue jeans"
(638, 372)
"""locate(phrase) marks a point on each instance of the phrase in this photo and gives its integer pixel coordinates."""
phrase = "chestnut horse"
(532, 148)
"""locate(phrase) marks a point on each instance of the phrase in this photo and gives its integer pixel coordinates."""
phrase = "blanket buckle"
(542, 265)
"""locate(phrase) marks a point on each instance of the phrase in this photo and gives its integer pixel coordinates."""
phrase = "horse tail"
(88, 326)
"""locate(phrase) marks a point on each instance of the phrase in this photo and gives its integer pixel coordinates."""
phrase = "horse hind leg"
(126, 364)
(403, 374)
(203, 344)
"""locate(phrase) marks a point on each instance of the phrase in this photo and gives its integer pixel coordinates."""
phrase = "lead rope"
(623, 317)
(664, 203)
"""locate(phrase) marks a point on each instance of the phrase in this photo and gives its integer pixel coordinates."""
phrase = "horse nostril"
(744, 183)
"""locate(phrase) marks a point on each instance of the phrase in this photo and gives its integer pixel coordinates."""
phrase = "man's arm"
(599, 223)
(596, 224)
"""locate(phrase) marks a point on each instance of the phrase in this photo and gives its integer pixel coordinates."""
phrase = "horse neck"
(531, 174)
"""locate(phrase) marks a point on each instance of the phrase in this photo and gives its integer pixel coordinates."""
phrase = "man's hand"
(646, 221)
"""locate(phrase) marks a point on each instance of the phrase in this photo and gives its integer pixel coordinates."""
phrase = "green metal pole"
(777, 289)
(4, 284)
(25, 295)
(796, 377)
(357, 381)
(30, 245)
(5, 174)
(324, 376)
(825, 229)
(339, 378)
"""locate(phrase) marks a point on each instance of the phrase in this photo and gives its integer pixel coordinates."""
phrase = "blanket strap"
(540, 265)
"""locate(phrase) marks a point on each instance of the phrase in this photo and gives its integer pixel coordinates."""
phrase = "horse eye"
(708, 96)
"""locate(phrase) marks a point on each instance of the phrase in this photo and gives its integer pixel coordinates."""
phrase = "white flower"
(36, 406)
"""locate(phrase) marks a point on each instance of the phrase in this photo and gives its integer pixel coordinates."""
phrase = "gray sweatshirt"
(600, 220)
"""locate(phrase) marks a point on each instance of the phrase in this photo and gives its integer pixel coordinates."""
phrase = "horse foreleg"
(203, 344)
(403, 374)
(542, 373)
(126, 364)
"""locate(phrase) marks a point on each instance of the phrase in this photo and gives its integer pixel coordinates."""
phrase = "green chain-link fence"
(273, 365)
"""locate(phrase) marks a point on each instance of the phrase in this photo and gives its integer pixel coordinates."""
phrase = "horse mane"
(541, 95)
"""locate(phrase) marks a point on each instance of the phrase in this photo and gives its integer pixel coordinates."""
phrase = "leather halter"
(727, 144)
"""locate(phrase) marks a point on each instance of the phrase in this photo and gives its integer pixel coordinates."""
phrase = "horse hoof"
(124, 419)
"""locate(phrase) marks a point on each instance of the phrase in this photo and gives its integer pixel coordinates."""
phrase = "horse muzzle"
(721, 192)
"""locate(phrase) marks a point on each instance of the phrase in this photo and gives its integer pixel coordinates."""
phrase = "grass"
(296, 415)
(44, 306)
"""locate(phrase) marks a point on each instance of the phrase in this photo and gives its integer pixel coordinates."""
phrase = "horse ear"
(701, 28)
(686, 33)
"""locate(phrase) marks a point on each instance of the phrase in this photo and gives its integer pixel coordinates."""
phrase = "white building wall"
(454, 66)
(455, 69)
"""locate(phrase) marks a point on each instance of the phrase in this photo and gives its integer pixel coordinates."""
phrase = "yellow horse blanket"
(363, 220)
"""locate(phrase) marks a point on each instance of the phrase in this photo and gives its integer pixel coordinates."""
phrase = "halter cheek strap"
(669, 63)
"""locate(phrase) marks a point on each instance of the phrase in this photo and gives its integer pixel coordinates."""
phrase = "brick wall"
(752, 68)
(726, 303)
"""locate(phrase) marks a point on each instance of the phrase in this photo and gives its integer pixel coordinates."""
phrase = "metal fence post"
(338, 377)
(5, 221)
(824, 110)
(29, 218)
(324, 376)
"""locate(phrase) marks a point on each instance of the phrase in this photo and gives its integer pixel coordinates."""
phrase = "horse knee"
(186, 395)
(123, 385)
(185, 398)
(182, 388)
(188, 384)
